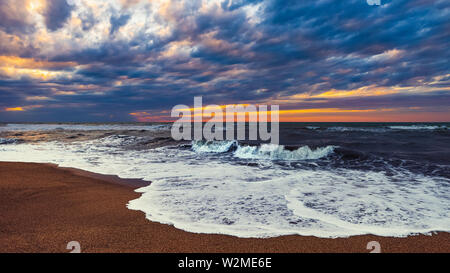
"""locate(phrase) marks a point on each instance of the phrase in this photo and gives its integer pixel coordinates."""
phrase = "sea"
(326, 180)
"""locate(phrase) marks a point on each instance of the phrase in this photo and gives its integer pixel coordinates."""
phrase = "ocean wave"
(213, 146)
(264, 151)
(117, 140)
(209, 195)
(279, 152)
(312, 127)
(383, 129)
(419, 127)
(8, 141)
(357, 129)
(83, 127)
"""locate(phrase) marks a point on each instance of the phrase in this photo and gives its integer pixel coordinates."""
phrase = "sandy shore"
(43, 207)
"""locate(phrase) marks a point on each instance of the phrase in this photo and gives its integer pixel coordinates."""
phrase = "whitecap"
(279, 152)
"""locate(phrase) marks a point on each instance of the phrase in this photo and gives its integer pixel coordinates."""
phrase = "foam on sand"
(201, 192)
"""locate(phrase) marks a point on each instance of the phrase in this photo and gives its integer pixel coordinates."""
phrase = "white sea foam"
(356, 129)
(213, 146)
(418, 127)
(199, 192)
(264, 151)
(279, 152)
(8, 140)
(385, 129)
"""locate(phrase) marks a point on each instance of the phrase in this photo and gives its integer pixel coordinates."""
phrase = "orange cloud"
(217, 107)
(404, 114)
(138, 114)
(35, 5)
(14, 109)
(290, 111)
(288, 115)
(65, 93)
(22, 108)
(365, 91)
(129, 3)
(13, 66)
(37, 98)
(30, 63)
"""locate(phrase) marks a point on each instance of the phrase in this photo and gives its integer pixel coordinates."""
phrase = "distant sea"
(323, 179)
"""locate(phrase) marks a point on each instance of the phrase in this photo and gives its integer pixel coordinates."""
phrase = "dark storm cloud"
(118, 21)
(56, 13)
(12, 45)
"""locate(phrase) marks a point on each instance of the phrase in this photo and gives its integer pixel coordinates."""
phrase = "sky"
(134, 60)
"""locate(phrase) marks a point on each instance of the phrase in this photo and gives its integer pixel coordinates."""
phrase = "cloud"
(38, 98)
(15, 17)
(129, 3)
(118, 21)
(88, 19)
(56, 13)
(14, 109)
(134, 56)
(22, 108)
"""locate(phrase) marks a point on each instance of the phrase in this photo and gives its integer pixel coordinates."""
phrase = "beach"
(220, 126)
(44, 207)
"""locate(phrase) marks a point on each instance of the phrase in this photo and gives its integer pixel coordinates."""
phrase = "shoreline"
(44, 207)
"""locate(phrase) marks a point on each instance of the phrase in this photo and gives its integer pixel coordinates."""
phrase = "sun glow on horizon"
(14, 109)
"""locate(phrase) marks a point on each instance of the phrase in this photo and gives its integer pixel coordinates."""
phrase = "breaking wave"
(213, 146)
(383, 129)
(8, 141)
(264, 151)
(279, 152)
(356, 129)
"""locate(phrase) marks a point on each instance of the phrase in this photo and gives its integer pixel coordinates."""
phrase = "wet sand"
(43, 207)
